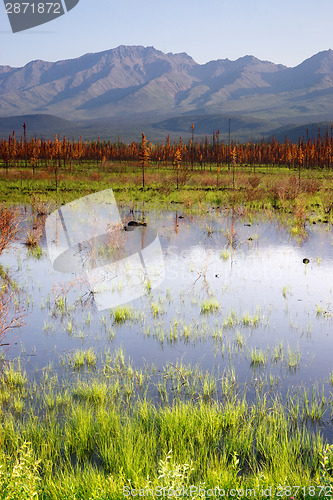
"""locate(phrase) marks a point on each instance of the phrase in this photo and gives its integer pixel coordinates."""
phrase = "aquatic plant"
(209, 306)
(121, 314)
(80, 358)
(32, 237)
(258, 357)
(293, 359)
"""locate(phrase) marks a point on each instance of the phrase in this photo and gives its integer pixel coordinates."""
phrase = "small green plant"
(18, 404)
(323, 312)
(15, 378)
(209, 230)
(248, 320)
(209, 306)
(148, 287)
(330, 378)
(239, 341)
(258, 357)
(60, 305)
(20, 476)
(80, 358)
(69, 326)
(174, 476)
(225, 254)
(231, 320)
(33, 238)
(278, 353)
(293, 359)
(121, 314)
(156, 309)
(326, 466)
(90, 358)
(36, 252)
(95, 392)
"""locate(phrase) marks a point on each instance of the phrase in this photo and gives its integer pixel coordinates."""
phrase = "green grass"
(258, 357)
(247, 320)
(156, 309)
(279, 188)
(209, 306)
(331, 378)
(278, 353)
(293, 359)
(128, 428)
(225, 254)
(122, 314)
(239, 341)
(96, 438)
(80, 358)
(14, 377)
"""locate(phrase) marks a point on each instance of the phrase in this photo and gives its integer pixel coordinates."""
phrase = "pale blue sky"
(285, 31)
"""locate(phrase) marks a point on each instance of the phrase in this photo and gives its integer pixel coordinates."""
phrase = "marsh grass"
(14, 377)
(258, 357)
(225, 254)
(278, 354)
(20, 474)
(80, 358)
(122, 314)
(330, 378)
(96, 436)
(209, 306)
(276, 188)
(239, 340)
(36, 252)
(156, 309)
(315, 408)
(252, 321)
(293, 359)
(32, 237)
(234, 319)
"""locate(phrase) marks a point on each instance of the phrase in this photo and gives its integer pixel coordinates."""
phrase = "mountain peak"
(322, 62)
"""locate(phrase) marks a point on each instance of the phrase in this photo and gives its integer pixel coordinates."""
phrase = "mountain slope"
(144, 82)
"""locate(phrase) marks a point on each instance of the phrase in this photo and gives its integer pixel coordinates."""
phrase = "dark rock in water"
(134, 223)
(314, 222)
(306, 261)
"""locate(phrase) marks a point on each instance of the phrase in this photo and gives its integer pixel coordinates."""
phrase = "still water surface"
(265, 300)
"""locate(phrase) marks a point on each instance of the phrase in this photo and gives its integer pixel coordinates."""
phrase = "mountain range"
(135, 85)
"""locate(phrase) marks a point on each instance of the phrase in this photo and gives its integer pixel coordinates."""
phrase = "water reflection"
(234, 288)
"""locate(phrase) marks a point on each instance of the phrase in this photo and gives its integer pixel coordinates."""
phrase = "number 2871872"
(33, 8)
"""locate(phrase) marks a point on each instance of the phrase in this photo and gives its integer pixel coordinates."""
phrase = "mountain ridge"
(137, 82)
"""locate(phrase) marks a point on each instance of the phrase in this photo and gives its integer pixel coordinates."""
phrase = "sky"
(284, 31)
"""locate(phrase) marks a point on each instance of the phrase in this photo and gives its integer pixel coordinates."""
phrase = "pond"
(236, 295)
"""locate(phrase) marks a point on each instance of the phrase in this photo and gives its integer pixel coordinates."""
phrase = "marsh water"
(236, 295)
